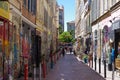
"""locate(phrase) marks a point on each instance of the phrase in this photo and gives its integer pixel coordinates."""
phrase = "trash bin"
(85, 60)
(110, 67)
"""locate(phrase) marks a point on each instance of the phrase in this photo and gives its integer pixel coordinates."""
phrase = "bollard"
(104, 68)
(40, 72)
(95, 62)
(26, 70)
(55, 58)
(44, 69)
(99, 65)
(34, 72)
(51, 64)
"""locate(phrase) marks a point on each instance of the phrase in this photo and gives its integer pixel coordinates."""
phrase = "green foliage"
(60, 29)
(73, 40)
(65, 37)
(72, 32)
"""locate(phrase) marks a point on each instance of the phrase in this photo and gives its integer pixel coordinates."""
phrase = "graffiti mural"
(105, 33)
(1, 58)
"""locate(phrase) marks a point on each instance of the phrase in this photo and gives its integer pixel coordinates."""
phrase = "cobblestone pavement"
(69, 68)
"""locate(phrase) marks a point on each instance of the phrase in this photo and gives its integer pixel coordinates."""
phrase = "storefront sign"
(4, 9)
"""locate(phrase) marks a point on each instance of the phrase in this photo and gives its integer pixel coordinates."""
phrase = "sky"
(69, 11)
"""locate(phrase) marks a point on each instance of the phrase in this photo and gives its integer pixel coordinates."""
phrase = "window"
(60, 16)
(109, 4)
(24, 3)
(45, 16)
(105, 5)
(33, 6)
(113, 2)
(60, 23)
(85, 1)
(101, 7)
(29, 5)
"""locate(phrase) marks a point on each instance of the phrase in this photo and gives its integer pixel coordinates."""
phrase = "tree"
(65, 37)
(72, 32)
(60, 29)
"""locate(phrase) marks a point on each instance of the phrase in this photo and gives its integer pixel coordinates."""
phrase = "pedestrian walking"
(113, 59)
(70, 50)
(63, 52)
(85, 58)
(90, 57)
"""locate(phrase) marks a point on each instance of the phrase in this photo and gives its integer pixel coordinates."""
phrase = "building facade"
(99, 20)
(61, 17)
(105, 28)
(4, 25)
(71, 28)
(82, 24)
(26, 35)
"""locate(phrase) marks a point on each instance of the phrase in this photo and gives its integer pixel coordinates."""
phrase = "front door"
(117, 40)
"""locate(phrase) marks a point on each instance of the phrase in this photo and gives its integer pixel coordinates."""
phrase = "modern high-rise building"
(61, 17)
(71, 27)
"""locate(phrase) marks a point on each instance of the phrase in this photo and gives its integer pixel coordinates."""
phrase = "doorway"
(117, 40)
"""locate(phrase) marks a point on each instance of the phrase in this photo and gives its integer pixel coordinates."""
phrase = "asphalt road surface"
(69, 68)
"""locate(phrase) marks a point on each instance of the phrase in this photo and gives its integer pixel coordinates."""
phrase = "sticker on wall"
(105, 33)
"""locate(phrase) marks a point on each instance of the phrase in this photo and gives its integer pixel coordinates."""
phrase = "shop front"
(117, 41)
(38, 54)
(5, 28)
(16, 43)
(115, 21)
(115, 37)
(27, 52)
(95, 36)
(6, 32)
(31, 51)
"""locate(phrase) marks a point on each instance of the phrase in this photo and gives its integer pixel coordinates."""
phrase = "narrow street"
(69, 68)
(34, 33)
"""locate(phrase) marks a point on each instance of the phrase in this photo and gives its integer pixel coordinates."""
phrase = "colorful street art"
(1, 58)
(105, 33)
(25, 47)
(7, 48)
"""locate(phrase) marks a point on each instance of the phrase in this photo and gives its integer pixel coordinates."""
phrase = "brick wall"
(28, 14)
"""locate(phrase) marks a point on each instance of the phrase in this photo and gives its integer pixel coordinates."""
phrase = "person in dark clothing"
(70, 50)
(63, 52)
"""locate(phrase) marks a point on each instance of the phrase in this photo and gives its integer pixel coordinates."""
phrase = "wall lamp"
(111, 21)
